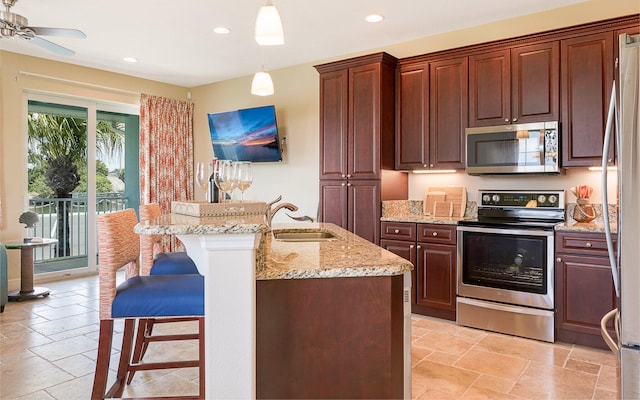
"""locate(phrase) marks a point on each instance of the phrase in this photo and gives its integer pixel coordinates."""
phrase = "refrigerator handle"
(605, 200)
(612, 344)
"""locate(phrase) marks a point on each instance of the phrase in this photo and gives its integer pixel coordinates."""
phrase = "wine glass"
(202, 177)
(245, 178)
(224, 177)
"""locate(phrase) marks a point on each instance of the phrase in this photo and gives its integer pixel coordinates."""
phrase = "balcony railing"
(74, 232)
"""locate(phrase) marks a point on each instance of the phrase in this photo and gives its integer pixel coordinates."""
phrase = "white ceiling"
(175, 42)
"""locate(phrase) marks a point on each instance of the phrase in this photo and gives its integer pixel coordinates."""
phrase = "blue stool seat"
(159, 296)
(173, 263)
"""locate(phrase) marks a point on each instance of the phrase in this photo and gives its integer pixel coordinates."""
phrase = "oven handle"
(505, 231)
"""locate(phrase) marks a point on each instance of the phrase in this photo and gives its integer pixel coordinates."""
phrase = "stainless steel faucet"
(271, 211)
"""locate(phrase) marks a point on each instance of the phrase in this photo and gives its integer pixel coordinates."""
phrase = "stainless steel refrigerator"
(625, 260)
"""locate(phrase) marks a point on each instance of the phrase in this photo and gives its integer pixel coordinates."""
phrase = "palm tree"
(61, 143)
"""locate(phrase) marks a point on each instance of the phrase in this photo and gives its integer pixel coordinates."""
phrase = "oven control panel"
(522, 199)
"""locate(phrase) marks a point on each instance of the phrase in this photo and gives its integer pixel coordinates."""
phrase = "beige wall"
(296, 101)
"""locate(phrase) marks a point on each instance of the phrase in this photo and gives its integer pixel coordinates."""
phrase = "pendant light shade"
(262, 85)
(268, 29)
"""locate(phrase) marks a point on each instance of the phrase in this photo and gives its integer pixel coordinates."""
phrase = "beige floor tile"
(65, 348)
(493, 383)
(447, 379)
(524, 348)
(442, 341)
(609, 378)
(583, 366)
(596, 356)
(492, 364)
(29, 375)
(476, 393)
(443, 358)
(77, 365)
(543, 381)
(419, 353)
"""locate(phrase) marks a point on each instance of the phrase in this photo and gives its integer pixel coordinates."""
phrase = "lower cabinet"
(584, 290)
(431, 248)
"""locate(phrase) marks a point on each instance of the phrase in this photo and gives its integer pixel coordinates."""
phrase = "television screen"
(250, 134)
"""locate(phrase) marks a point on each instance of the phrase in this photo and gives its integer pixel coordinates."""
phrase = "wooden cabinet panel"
(333, 124)
(406, 250)
(437, 233)
(587, 77)
(333, 202)
(489, 88)
(584, 290)
(364, 209)
(448, 116)
(412, 131)
(436, 277)
(398, 231)
(364, 131)
(535, 83)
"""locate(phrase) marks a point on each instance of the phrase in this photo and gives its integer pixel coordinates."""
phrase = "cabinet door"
(436, 276)
(489, 88)
(448, 112)
(412, 131)
(587, 76)
(584, 294)
(406, 250)
(333, 124)
(364, 209)
(363, 158)
(535, 83)
(333, 202)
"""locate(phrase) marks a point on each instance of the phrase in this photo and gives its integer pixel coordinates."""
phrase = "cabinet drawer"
(436, 233)
(398, 231)
(582, 243)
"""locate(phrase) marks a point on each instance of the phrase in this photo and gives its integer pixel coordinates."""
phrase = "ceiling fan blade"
(63, 51)
(60, 32)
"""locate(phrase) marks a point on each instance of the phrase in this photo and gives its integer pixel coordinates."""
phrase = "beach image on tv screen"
(245, 135)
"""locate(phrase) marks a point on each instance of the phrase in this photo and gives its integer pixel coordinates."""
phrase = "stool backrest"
(119, 246)
(150, 245)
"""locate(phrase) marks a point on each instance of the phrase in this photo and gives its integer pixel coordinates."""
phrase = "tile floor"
(48, 349)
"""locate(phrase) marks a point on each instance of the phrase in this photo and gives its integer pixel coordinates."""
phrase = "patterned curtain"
(166, 153)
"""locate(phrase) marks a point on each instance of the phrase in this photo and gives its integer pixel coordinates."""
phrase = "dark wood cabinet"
(584, 288)
(431, 112)
(357, 120)
(587, 67)
(432, 250)
(515, 85)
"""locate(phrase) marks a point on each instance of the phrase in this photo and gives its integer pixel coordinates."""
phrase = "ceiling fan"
(12, 24)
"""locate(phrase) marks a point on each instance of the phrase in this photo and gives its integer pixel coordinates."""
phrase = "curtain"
(166, 153)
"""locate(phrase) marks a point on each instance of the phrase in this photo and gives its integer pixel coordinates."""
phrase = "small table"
(27, 290)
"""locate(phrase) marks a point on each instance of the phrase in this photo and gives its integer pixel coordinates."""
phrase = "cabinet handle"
(506, 120)
(430, 165)
(349, 184)
(588, 244)
(418, 246)
(558, 259)
(515, 120)
(434, 234)
(396, 231)
(343, 184)
(344, 176)
(411, 246)
(424, 165)
(348, 175)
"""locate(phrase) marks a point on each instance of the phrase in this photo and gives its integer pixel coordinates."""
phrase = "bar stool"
(157, 296)
(156, 262)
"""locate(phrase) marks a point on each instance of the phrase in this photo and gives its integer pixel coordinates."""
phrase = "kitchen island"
(297, 319)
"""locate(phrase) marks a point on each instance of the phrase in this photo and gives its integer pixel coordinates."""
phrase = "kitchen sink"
(306, 235)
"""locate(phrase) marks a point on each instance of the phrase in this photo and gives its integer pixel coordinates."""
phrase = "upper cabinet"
(356, 117)
(431, 110)
(514, 85)
(587, 78)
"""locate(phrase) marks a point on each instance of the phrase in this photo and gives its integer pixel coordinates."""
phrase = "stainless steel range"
(506, 263)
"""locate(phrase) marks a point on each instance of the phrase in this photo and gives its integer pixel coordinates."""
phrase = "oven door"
(507, 265)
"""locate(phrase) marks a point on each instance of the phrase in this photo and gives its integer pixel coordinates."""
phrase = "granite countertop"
(347, 256)
(412, 211)
(595, 226)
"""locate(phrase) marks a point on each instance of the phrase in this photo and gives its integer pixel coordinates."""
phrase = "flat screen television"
(249, 134)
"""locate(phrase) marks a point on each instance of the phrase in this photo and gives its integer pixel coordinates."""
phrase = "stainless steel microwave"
(513, 149)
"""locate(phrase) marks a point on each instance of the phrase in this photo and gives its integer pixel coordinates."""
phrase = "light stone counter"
(348, 256)
(412, 211)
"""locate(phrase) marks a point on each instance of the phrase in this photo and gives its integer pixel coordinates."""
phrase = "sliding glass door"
(82, 161)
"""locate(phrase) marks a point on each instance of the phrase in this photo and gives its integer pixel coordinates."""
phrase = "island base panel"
(330, 338)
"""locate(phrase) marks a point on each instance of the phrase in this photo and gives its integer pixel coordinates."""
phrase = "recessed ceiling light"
(222, 30)
(130, 59)
(373, 18)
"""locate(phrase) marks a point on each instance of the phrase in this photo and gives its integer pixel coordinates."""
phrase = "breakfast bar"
(321, 314)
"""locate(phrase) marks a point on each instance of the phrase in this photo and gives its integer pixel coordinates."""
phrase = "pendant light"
(268, 30)
(262, 85)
